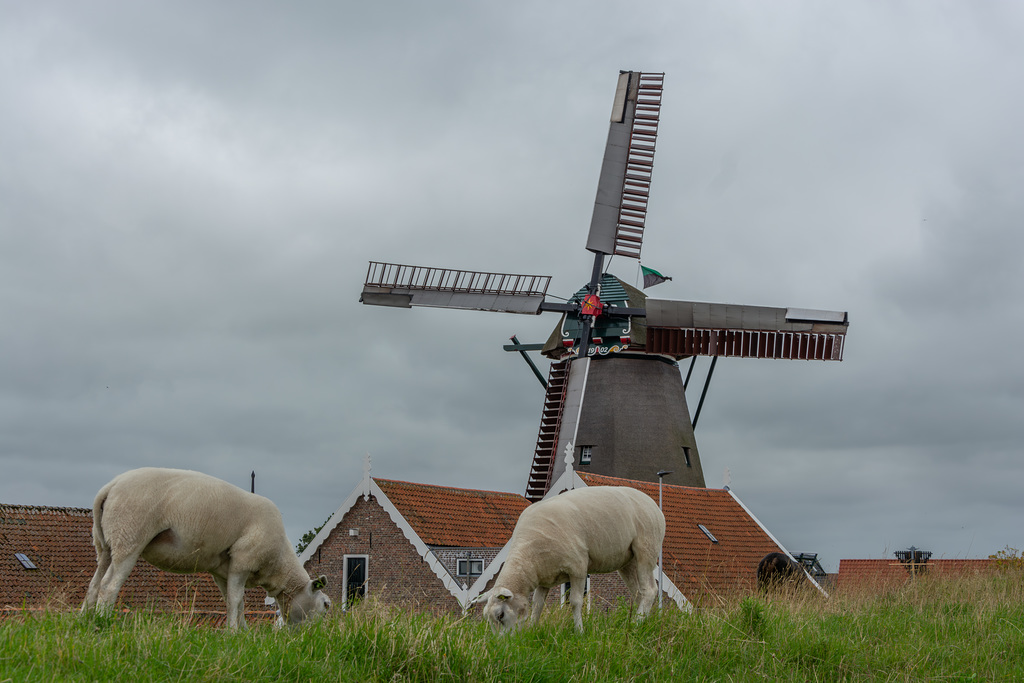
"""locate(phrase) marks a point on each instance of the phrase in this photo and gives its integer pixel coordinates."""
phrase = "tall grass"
(970, 629)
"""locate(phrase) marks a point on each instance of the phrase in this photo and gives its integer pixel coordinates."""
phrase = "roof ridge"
(599, 477)
(413, 484)
(44, 509)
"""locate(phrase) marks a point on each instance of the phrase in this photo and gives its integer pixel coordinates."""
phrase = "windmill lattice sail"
(393, 284)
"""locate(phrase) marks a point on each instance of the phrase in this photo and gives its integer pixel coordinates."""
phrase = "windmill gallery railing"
(394, 275)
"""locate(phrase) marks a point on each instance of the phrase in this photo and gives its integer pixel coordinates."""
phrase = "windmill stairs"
(547, 437)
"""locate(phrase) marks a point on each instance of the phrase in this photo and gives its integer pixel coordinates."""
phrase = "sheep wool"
(187, 522)
(594, 530)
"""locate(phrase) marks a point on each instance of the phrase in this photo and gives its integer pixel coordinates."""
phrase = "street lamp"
(661, 569)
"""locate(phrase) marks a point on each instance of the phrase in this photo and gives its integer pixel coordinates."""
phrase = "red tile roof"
(58, 541)
(453, 517)
(879, 574)
(695, 563)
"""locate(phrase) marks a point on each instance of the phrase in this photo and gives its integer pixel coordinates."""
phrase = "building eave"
(777, 542)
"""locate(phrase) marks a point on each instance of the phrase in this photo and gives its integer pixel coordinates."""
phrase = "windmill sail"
(689, 328)
(393, 284)
(617, 226)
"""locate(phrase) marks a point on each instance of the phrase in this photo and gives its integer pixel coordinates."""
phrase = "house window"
(686, 456)
(585, 454)
(707, 533)
(25, 562)
(470, 567)
(354, 579)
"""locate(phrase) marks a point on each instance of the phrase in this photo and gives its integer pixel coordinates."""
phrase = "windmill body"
(615, 399)
(625, 416)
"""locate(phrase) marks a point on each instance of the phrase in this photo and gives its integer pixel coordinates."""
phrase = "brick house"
(414, 545)
(437, 548)
(884, 574)
(47, 559)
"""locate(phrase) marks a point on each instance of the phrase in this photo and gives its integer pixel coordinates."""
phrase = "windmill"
(614, 399)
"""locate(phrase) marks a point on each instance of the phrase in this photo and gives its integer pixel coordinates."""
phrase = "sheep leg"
(629, 575)
(643, 589)
(102, 564)
(116, 574)
(540, 596)
(222, 585)
(234, 595)
(578, 588)
(648, 588)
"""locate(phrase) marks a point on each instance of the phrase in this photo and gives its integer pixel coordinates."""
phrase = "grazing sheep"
(187, 522)
(593, 530)
(775, 569)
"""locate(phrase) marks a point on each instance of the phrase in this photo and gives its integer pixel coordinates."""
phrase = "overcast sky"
(190, 193)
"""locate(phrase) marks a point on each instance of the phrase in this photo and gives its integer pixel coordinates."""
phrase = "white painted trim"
(428, 556)
(583, 395)
(673, 592)
(344, 577)
(776, 542)
(332, 521)
(568, 481)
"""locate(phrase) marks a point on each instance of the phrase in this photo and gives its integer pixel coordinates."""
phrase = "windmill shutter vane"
(624, 186)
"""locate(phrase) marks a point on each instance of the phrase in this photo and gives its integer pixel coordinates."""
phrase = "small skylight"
(707, 533)
(25, 562)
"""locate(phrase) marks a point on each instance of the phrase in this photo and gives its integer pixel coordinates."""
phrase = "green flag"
(652, 277)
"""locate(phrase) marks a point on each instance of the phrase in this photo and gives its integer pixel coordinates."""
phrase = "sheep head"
(504, 609)
(309, 601)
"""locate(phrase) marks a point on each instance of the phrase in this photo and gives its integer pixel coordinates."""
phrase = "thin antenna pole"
(252, 487)
(661, 563)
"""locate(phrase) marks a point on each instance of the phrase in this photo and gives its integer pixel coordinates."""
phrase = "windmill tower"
(615, 395)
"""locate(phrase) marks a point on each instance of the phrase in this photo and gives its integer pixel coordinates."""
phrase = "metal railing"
(394, 275)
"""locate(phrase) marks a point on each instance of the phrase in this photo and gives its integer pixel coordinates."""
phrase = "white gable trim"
(332, 521)
(776, 541)
(368, 487)
(453, 586)
(569, 480)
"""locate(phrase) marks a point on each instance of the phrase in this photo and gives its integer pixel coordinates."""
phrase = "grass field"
(935, 630)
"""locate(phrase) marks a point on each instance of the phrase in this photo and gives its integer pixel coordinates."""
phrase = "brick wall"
(450, 557)
(396, 574)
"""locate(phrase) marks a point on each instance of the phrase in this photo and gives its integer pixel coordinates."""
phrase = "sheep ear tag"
(504, 594)
(320, 583)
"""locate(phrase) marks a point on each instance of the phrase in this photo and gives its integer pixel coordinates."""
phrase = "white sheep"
(187, 522)
(593, 530)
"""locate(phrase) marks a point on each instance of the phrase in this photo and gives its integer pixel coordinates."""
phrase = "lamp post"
(661, 568)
